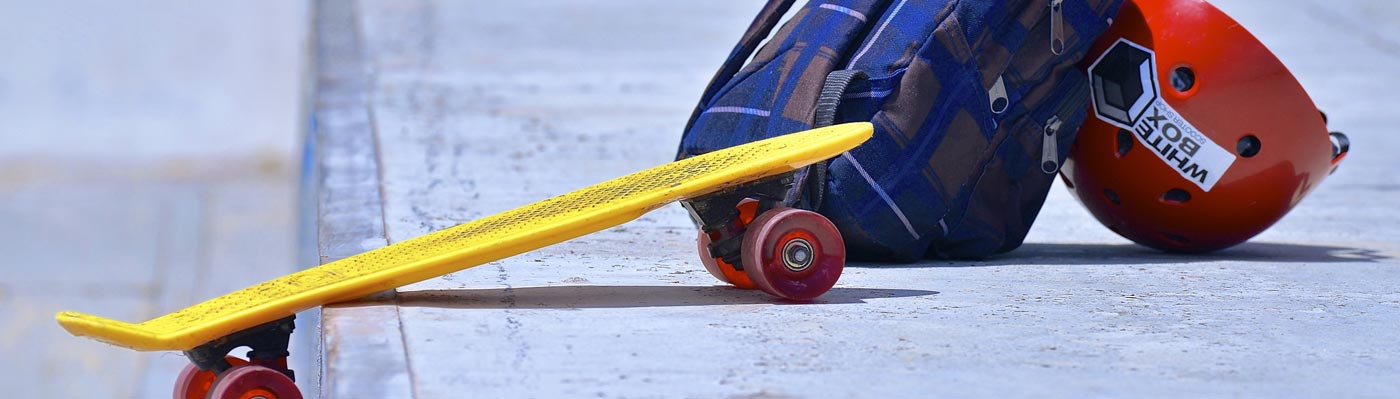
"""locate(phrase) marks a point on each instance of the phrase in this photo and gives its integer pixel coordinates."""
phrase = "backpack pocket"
(1004, 200)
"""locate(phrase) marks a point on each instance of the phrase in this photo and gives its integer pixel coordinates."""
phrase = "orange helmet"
(1198, 137)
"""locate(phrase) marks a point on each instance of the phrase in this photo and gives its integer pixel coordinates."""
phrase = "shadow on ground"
(599, 296)
(1131, 254)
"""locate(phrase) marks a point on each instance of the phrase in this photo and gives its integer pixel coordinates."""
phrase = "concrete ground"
(145, 165)
(147, 161)
(433, 113)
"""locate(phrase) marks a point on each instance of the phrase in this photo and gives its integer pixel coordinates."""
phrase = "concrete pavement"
(473, 110)
(479, 107)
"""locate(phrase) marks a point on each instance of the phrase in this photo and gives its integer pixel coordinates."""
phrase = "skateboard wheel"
(254, 382)
(194, 383)
(793, 253)
(723, 271)
(711, 264)
(720, 269)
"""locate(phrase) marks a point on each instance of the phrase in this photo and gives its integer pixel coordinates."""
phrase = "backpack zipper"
(1076, 99)
(1050, 150)
(1057, 27)
(1057, 47)
(999, 100)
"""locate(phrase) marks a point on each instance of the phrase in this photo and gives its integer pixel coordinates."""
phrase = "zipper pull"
(998, 97)
(1050, 149)
(1057, 27)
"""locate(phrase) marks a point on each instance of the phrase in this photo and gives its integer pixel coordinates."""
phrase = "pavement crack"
(513, 324)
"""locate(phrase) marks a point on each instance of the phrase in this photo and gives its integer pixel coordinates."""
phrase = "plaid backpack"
(975, 104)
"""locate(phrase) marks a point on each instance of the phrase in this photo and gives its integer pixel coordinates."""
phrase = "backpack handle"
(833, 91)
(762, 25)
(813, 177)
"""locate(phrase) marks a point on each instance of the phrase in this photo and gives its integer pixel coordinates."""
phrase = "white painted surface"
(150, 78)
(146, 163)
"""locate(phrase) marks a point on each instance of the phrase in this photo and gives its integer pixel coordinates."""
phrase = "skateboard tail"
(141, 337)
(109, 331)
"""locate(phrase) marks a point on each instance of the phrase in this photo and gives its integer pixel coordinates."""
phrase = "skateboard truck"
(268, 344)
(763, 235)
(801, 188)
(212, 373)
(719, 215)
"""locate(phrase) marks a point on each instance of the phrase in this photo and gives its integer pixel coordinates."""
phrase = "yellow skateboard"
(746, 200)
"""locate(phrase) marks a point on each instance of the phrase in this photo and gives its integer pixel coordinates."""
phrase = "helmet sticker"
(1126, 94)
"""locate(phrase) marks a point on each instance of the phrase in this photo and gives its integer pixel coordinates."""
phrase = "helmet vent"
(1176, 196)
(1125, 142)
(1248, 146)
(1112, 196)
(1183, 79)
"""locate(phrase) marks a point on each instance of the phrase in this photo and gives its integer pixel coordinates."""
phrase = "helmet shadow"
(1132, 254)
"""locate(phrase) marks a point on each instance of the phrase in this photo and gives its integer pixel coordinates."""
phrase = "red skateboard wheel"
(748, 209)
(254, 382)
(721, 269)
(702, 244)
(794, 254)
(194, 383)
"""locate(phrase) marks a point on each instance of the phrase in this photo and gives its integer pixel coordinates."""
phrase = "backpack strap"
(833, 91)
(837, 83)
(762, 25)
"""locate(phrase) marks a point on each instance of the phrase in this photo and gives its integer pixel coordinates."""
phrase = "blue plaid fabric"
(961, 93)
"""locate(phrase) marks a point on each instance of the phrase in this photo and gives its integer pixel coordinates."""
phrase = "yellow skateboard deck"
(470, 244)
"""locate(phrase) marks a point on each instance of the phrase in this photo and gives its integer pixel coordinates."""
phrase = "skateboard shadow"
(605, 296)
(1132, 254)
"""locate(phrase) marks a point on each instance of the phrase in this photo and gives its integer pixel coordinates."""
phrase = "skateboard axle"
(268, 343)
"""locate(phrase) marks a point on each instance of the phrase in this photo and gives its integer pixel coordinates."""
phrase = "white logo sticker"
(1125, 95)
